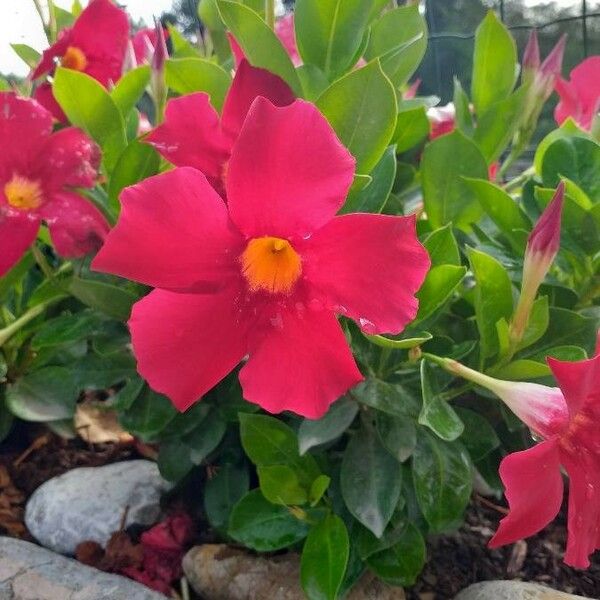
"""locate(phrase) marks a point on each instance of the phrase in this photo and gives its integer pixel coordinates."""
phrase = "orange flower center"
(23, 193)
(74, 58)
(271, 264)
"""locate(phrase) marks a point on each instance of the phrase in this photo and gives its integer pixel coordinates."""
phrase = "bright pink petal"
(534, 489)
(43, 94)
(56, 50)
(186, 343)
(579, 381)
(143, 44)
(284, 29)
(299, 361)
(24, 127)
(102, 32)
(191, 135)
(369, 268)
(249, 83)
(17, 233)
(173, 233)
(236, 50)
(288, 174)
(69, 157)
(584, 506)
(76, 226)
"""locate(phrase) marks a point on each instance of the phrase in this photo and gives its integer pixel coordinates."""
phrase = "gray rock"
(513, 590)
(28, 572)
(220, 572)
(88, 503)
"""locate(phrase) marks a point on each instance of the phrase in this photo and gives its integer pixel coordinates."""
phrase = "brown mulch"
(457, 560)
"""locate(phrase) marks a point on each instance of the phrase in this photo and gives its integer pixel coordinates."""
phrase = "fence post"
(584, 15)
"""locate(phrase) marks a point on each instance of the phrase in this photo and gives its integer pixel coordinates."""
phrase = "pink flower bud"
(545, 237)
(552, 65)
(160, 49)
(531, 56)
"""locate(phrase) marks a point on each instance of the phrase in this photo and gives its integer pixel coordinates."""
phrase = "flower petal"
(369, 268)
(249, 83)
(186, 343)
(56, 50)
(584, 507)
(17, 233)
(288, 174)
(69, 157)
(173, 233)
(191, 135)
(24, 127)
(299, 361)
(284, 29)
(102, 32)
(43, 94)
(579, 381)
(76, 226)
(534, 489)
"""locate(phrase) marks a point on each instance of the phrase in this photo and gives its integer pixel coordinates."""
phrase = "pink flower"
(284, 29)
(580, 97)
(193, 134)
(442, 120)
(263, 275)
(144, 43)
(543, 75)
(567, 418)
(38, 171)
(96, 45)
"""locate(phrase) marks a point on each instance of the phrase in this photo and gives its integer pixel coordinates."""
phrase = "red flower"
(580, 97)
(193, 134)
(263, 275)
(96, 45)
(38, 168)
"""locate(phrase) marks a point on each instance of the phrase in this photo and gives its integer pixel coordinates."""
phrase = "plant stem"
(517, 181)
(270, 13)
(43, 264)
(32, 313)
(40, 12)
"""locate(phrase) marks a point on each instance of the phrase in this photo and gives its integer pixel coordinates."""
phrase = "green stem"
(270, 13)
(43, 264)
(32, 313)
(40, 12)
(520, 179)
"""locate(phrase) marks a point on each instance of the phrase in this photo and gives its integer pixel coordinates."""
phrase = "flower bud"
(531, 57)
(160, 52)
(158, 85)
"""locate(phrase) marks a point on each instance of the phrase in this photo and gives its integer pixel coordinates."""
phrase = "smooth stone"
(88, 503)
(28, 572)
(220, 572)
(513, 590)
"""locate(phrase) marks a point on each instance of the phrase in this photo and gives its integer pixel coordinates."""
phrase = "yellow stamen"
(23, 193)
(271, 264)
(74, 58)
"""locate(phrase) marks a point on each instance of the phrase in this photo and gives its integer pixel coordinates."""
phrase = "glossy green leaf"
(523, 369)
(442, 481)
(263, 526)
(27, 54)
(371, 480)
(130, 88)
(478, 437)
(446, 161)
(442, 247)
(189, 75)
(361, 107)
(329, 33)
(205, 437)
(318, 488)
(258, 41)
(113, 301)
(399, 344)
(88, 105)
(324, 559)
(439, 285)
(332, 425)
(494, 63)
(412, 127)
(280, 484)
(436, 413)
(568, 129)
(398, 435)
(181, 46)
(148, 415)
(66, 329)
(464, 116)
(174, 461)
(223, 491)
(392, 399)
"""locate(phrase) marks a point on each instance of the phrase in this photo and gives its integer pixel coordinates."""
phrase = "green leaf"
(88, 105)
(137, 162)
(182, 48)
(329, 33)
(279, 484)
(566, 130)
(577, 159)
(494, 63)
(503, 210)
(66, 329)
(392, 399)
(130, 88)
(48, 394)
(261, 46)
(95, 372)
(436, 413)
(401, 563)
(205, 437)
(263, 526)
(493, 298)
(27, 54)
(446, 161)
(399, 38)
(442, 247)
(313, 80)
(174, 461)
(374, 196)
(412, 127)
(522, 369)
(371, 480)
(148, 415)
(361, 107)
(438, 287)
(478, 437)
(6, 417)
(442, 481)
(398, 435)
(222, 492)
(318, 488)
(62, 17)
(332, 425)
(464, 116)
(189, 75)
(324, 559)
(116, 302)
(399, 344)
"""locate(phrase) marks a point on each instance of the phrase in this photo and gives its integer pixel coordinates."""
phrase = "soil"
(32, 455)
